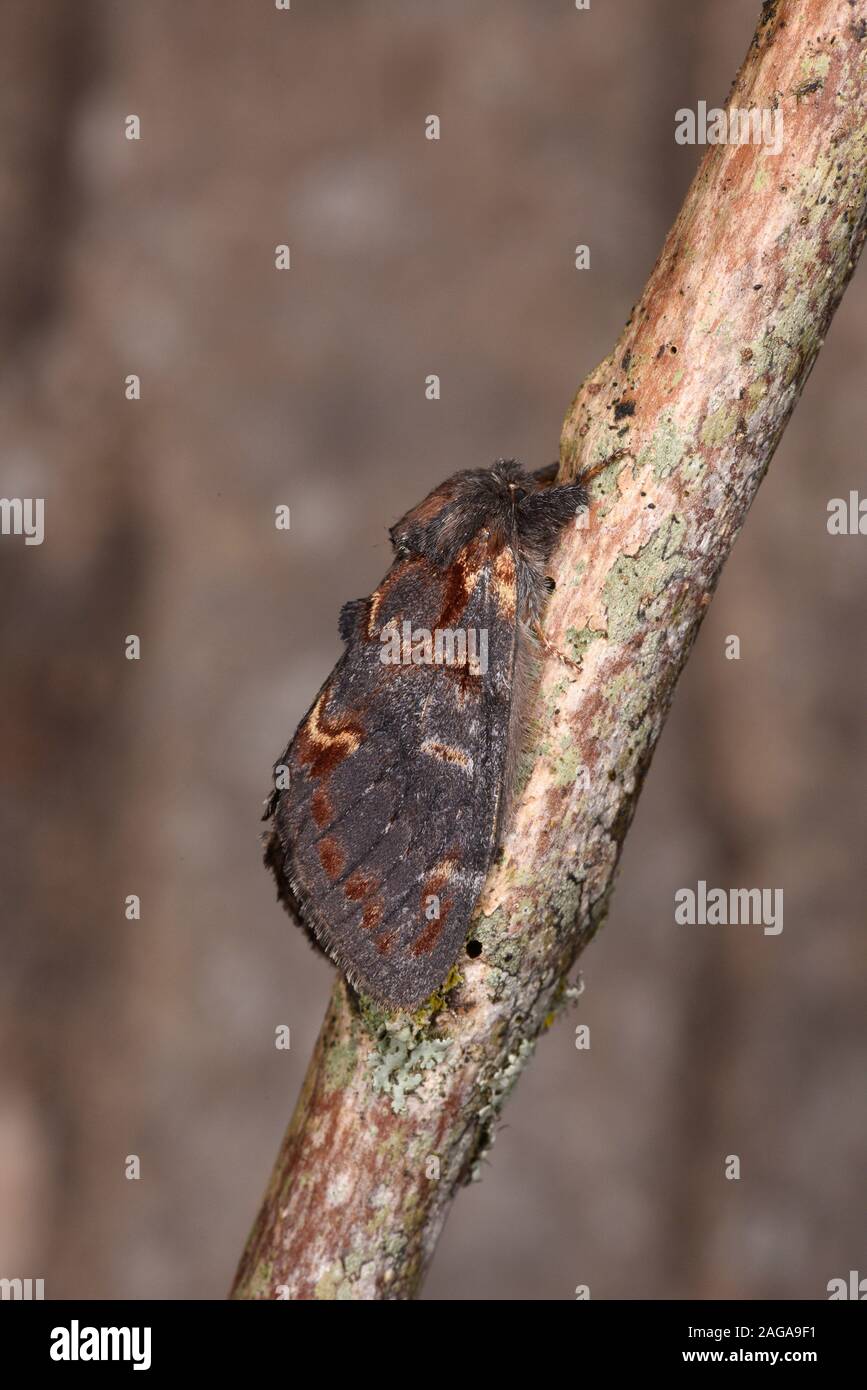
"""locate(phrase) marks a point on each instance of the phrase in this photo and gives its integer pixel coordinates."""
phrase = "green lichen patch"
(635, 580)
(500, 950)
(691, 470)
(664, 450)
(333, 1285)
(424, 1016)
(567, 764)
(578, 639)
(495, 1090)
(404, 1053)
(814, 70)
(720, 425)
(340, 1060)
(259, 1283)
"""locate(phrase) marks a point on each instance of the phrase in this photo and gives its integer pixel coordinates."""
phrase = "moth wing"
(386, 830)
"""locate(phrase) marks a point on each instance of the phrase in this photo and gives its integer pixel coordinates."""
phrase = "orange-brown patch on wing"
(433, 886)
(331, 857)
(378, 597)
(447, 754)
(373, 606)
(467, 687)
(321, 807)
(384, 943)
(372, 915)
(323, 740)
(461, 578)
(505, 581)
(425, 943)
(359, 885)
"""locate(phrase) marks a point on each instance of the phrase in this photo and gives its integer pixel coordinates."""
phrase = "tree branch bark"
(396, 1111)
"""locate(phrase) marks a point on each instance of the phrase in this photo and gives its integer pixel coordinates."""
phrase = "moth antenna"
(590, 473)
(548, 473)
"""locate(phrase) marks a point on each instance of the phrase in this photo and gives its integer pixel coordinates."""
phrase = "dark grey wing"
(383, 837)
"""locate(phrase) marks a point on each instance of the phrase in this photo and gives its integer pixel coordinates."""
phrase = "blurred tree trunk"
(66, 683)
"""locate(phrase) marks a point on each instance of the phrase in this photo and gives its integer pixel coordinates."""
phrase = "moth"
(390, 802)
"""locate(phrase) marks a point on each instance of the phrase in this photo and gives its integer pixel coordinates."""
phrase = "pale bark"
(396, 1112)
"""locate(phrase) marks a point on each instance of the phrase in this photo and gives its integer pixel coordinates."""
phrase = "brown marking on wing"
(378, 597)
(321, 807)
(331, 857)
(360, 885)
(460, 580)
(372, 915)
(505, 582)
(374, 603)
(430, 936)
(432, 887)
(323, 740)
(447, 754)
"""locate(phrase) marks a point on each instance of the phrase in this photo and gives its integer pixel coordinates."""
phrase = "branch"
(396, 1111)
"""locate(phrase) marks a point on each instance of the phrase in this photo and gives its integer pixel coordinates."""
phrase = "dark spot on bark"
(474, 949)
(624, 408)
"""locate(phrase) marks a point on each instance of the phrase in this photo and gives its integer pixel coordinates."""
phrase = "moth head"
(465, 505)
(503, 505)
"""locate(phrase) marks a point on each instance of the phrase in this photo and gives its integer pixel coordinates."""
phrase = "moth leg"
(552, 650)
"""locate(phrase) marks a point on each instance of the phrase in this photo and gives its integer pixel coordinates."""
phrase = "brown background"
(307, 388)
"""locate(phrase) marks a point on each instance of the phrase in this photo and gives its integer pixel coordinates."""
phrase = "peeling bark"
(397, 1110)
